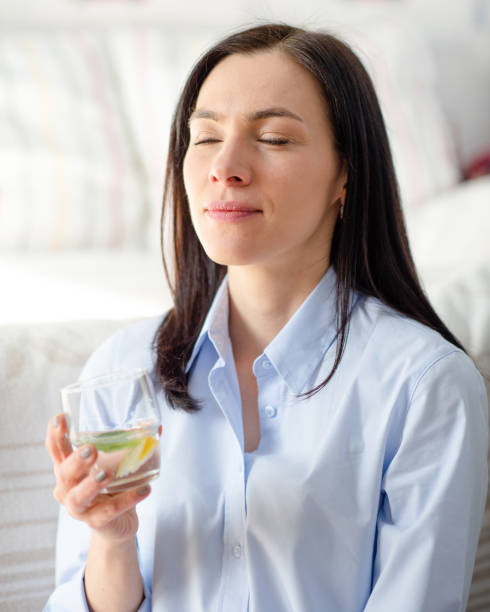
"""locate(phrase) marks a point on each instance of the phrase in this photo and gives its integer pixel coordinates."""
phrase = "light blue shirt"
(369, 495)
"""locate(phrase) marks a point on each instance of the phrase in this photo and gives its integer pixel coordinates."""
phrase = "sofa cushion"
(35, 362)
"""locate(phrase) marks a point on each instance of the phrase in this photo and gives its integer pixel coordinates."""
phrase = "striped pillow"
(70, 177)
(403, 71)
(151, 64)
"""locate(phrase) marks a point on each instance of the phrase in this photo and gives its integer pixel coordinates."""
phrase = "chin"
(232, 257)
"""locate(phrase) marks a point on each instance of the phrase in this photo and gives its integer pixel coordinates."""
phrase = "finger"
(81, 496)
(76, 466)
(63, 439)
(110, 507)
(49, 441)
(57, 443)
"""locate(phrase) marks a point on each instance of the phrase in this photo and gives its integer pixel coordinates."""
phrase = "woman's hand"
(79, 482)
(112, 578)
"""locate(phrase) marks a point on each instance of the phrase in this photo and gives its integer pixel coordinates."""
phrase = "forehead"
(244, 83)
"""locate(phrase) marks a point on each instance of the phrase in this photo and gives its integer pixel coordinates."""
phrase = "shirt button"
(266, 364)
(270, 411)
(237, 551)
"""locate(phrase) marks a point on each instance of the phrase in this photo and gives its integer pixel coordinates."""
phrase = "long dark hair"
(370, 251)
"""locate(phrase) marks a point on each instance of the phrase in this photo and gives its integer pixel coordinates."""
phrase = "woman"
(324, 443)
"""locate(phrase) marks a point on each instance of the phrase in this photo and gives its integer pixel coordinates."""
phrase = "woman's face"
(261, 173)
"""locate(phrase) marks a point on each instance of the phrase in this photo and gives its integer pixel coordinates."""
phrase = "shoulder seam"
(429, 367)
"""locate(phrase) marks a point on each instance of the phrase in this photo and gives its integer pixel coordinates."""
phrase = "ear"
(342, 182)
(342, 191)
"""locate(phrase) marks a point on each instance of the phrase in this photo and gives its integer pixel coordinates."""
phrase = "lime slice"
(112, 441)
(135, 457)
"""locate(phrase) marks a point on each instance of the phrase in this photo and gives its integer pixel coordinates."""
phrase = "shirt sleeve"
(71, 554)
(73, 537)
(433, 494)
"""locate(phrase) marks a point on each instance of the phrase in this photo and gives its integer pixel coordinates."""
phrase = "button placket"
(234, 583)
(268, 398)
(270, 411)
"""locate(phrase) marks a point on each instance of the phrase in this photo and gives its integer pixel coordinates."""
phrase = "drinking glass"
(118, 414)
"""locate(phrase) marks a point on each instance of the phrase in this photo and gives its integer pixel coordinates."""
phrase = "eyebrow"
(266, 113)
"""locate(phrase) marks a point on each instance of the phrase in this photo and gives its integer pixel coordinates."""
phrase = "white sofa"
(86, 95)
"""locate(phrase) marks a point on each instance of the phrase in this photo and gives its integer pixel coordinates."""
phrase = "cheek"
(189, 176)
(187, 173)
(298, 188)
(191, 182)
(317, 185)
(303, 199)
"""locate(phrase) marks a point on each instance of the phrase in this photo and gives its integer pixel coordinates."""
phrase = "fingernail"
(56, 422)
(143, 490)
(85, 452)
(100, 476)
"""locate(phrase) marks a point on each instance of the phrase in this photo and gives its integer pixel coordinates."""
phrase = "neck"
(262, 301)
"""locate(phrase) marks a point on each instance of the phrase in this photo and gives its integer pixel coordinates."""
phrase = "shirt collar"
(215, 325)
(300, 345)
(298, 348)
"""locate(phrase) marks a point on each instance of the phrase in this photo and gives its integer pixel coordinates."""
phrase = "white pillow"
(450, 243)
(452, 231)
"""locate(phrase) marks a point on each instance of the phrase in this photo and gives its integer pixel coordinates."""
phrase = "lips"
(230, 210)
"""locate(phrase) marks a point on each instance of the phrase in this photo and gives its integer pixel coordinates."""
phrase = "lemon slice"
(136, 456)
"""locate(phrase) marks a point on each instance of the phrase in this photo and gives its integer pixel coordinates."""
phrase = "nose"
(229, 166)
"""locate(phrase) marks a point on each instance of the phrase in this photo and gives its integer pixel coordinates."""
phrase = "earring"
(341, 212)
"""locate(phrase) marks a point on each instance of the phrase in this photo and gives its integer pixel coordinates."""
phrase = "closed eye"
(275, 141)
(271, 141)
(206, 141)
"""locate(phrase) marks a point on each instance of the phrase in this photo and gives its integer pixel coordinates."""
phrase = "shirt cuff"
(144, 607)
(69, 596)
